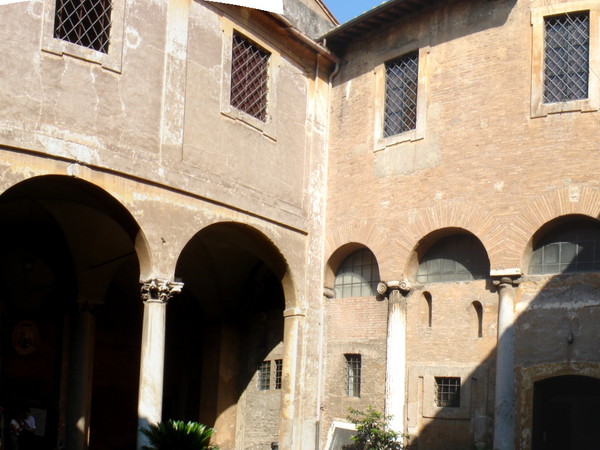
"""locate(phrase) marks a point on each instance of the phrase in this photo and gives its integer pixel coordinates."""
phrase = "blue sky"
(345, 10)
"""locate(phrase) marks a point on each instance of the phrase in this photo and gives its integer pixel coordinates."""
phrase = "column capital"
(507, 281)
(403, 286)
(157, 290)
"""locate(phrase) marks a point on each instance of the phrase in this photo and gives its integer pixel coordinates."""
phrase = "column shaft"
(81, 366)
(504, 411)
(395, 380)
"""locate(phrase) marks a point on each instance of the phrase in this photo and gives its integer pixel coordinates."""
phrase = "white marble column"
(155, 294)
(504, 410)
(395, 380)
(79, 391)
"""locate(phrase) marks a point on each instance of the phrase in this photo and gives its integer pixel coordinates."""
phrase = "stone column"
(155, 294)
(395, 380)
(81, 367)
(504, 410)
(292, 339)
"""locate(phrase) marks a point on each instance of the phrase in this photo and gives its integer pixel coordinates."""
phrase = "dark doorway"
(566, 413)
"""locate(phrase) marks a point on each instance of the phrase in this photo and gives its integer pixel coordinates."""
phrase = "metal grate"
(566, 57)
(84, 22)
(278, 373)
(264, 376)
(357, 276)
(447, 392)
(353, 374)
(401, 81)
(249, 70)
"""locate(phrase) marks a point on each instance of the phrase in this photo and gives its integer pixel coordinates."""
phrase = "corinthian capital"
(156, 290)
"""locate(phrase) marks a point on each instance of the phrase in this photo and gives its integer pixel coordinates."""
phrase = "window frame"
(263, 376)
(380, 141)
(353, 374)
(111, 60)
(538, 17)
(374, 277)
(267, 127)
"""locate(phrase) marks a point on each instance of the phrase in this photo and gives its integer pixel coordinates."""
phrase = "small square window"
(566, 57)
(84, 22)
(401, 85)
(353, 374)
(249, 77)
(264, 376)
(278, 373)
(447, 392)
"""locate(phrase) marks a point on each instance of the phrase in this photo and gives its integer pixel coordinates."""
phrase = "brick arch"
(363, 234)
(478, 221)
(562, 202)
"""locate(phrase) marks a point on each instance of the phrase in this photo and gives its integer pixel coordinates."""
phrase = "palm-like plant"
(179, 435)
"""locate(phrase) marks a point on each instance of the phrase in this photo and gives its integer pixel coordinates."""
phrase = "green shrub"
(178, 435)
(372, 432)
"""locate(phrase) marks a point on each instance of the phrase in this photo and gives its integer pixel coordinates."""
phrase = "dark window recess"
(249, 77)
(460, 257)
(264, 376)
(353, 374)
(574, 247)
(447, 392)
(401, 81)
(566, 57)
(84, 22)
(278, 373)
(357, 276)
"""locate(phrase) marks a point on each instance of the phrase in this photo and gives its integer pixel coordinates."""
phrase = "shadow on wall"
(556, 368)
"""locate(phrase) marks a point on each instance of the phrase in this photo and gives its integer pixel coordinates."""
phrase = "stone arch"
(431, 223)
(75, 249)
(344, 239)
(238, 292)
(574, 200)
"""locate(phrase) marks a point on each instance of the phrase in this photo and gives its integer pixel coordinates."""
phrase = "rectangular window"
(353, 374)
(566, 57)
(401, 83)
(264, 376)
(278, 373)
(447, 392)
(84, 22)
(249, 77)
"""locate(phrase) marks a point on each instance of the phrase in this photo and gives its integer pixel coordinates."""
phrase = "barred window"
(574, 247)
(264, 376)
(447, 392)
(278, 373)
(357, 276)
(566, 57)
(353, 374)
(454, 258)
(249, 77)
(401, 81)
(84, 22)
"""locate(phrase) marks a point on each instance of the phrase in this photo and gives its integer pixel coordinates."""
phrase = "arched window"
(478, 309)
(357, 276)
(460, 257)
(573, 247)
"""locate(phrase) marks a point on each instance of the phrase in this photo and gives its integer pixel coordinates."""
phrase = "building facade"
(258, 221)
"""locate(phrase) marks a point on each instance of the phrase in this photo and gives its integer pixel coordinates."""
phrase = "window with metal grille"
(249, 77)
(264, 376)
(401, 81)
(454, 258)
(84, 22)
(357, 276)
(566, 57)
(447, 392)
(353, 374)
(278, 373)
(573, 247)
